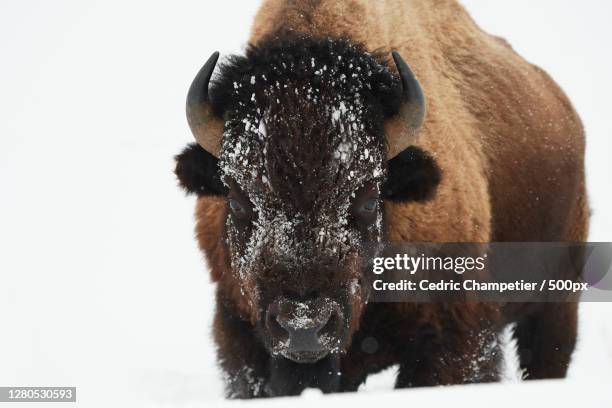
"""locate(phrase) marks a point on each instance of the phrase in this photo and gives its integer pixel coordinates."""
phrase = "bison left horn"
(402, 129)
(205, 125)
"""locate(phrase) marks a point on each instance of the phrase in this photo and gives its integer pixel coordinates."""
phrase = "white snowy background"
(101, 284)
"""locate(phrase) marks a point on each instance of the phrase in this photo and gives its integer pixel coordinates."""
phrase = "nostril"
(331, 326)
(274, 327)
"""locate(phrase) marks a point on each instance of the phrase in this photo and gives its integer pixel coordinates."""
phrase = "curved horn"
(402, 129)
(205, 125)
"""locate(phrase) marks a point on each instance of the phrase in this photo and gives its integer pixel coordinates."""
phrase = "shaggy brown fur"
(510, 148)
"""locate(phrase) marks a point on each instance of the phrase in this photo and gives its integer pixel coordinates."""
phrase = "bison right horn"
(205, 125)
(402, 129)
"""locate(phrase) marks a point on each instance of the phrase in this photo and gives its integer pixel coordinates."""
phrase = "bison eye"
(240, 208)
(236, 207)
(238, 202)
(369, 206)
(365, 205)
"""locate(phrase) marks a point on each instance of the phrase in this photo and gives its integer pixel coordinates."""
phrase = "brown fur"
(510, 147)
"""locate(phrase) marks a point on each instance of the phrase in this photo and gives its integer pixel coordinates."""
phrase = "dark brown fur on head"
(303, 152)
(298, 154)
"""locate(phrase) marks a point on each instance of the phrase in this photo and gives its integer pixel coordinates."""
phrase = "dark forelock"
(315, 95)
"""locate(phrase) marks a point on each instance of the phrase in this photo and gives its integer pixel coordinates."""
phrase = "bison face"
(303, 158)
(303, 170)
(302, 163)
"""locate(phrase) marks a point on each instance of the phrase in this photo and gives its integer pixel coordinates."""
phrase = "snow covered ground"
(101, 283)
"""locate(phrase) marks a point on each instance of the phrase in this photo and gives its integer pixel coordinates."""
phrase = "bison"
(357, 121)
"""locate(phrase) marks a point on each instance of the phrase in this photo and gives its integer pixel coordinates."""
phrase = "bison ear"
(198, 172)
(413, 175)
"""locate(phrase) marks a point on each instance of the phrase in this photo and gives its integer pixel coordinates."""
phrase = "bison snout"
(304, 331)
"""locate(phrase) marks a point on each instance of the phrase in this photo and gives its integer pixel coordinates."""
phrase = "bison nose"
(304, 331)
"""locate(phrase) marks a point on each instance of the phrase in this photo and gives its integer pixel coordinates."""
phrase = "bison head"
(293, 135)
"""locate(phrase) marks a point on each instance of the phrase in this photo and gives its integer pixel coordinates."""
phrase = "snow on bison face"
(303, 162)
(303, 166)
